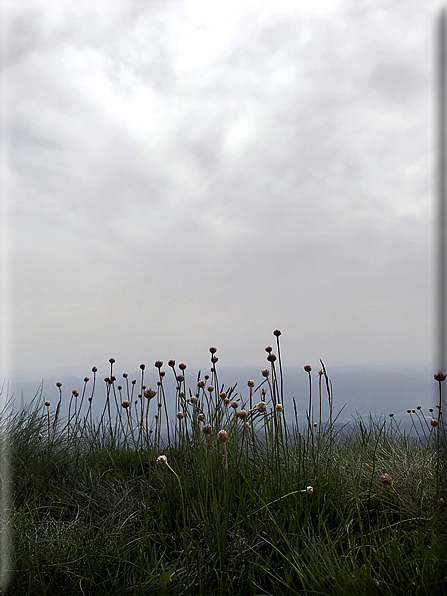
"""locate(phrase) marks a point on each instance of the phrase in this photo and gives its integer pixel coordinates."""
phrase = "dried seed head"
(193, 400)
(213, 350)
(142, 366)
(234, 405)
(182, 366)
(268, 349)
(94, 369)
(386, 480)
(201, 384)
(207, 429)
(180, 378)
(226, 401)
(271, 357)
(308, 368)
(162, 373)
(58, 384)
(250, 383)
(261, 406)
(440, 376)
(210, 388)
(150, 393)
(265, 372)
(277, 333)
(223, 395)
(158, 364)
(161, 460)
(214, 359)
(86, 379)
(171, 363)
(125, 404)
(180, 415)
(111, 360)
(125, 375)
(434, 422)
(222, 436)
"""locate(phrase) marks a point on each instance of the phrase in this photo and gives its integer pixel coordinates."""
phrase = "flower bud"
(150, 393)
(250, 383)
(386, 480)
(125, 404)
(47, 403)
(261, 406)
(180, 415)
(222, 436)
(207, 429)
(308, 368)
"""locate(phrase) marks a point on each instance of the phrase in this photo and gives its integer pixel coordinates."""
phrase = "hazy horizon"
(187, 174)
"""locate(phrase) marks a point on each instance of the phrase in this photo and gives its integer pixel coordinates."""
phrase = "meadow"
(223, 496)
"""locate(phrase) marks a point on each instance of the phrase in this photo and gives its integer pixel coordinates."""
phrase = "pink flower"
(386, 479)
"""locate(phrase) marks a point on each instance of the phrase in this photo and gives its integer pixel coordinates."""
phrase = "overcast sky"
(183, 174)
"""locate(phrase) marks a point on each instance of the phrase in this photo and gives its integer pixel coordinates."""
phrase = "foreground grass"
(304, 516)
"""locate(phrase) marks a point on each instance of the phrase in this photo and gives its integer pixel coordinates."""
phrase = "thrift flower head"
(180, 415)
(207, 429)
(161, 460)
(261, 406)
(386, 480)
(308, 368)
(279, 408)
(125, 404)
(222, 436)
(150, 393)
(434, 422)
(265, 372)
(250, 383)
(440, 376)
(47, 403)
(201, 417)
(310, 490)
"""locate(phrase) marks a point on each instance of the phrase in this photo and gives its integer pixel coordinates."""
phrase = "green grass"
(94, 514)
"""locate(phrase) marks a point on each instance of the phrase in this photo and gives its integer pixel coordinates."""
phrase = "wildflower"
(250, 383)
(158, 364)
(94, 369)
(47, 403)
(125, 375)
(171, 363)
(182, 366)
(213, 350)
(125, 404)
(150, 393)
(201, 384)
(180, 415)
(440, 376)
(142, 366)
(271, 357)
(214, 359)
(58, 384)
(210, 388)
(386, 480)
(279, 408)
(277, 333)
(268, 349)
(434, 422)
(226, 400)
(308, 368)
(234, 405)
(111, 360)
(309, 490)
(207, 429)
(242, 414)
(180, 378)
(193, 400)
(265, 372)
(201, 417)
(261, 406)
(161, 460)
(222, 436)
